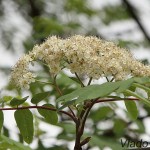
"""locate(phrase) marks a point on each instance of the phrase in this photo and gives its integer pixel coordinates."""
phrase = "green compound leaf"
(24, 120)
(90, 92)
(131, 109)
(1, 119)
(7, 143)
(99, 91)
(49, 115)
(39, 97)
(17, 101)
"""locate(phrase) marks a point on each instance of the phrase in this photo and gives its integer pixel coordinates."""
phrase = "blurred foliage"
(79, 7)
(64, 18)
(114, 13)
(44, 26)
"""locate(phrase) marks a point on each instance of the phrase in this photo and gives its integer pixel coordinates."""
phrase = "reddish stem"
(80, 124)
(114, 99)
(41, 107)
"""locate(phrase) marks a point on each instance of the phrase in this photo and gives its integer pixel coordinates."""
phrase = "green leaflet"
(1, 119)
(67, 104)
(103, 90)
(68, 127)
(69, 96)
(101, 142)
(142, 87)
(124, 85)
(142, 99)
(101, 113)
(95, 91)
(6, 143)
(75, 79)
(90, 92)
(67, 81)
(49, 115)
(39, 97)
(17, 101)
(7, 98)
(119, 127)
(141, 127)
(142, 80)
(24, 120)
(131, 109)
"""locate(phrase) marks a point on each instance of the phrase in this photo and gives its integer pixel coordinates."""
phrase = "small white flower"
(24, 83)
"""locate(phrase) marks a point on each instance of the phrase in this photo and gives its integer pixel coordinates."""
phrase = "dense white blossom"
(86, 55)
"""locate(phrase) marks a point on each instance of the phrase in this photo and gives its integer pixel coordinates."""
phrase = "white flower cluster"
(82, 55)
(21, 75)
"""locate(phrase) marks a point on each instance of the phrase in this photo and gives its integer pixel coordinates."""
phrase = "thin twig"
(60, 93)
(112, 79)
(41, 107)
(57, 87)
(132, 12)
(72, 111)
(53, 84)
(114, 99)
(81, 124)
(79, 79)
(90, 80)
(86, 115)
(44, 82)
(107, 79)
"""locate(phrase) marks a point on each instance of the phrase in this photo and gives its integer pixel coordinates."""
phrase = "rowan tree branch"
(41, 107)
